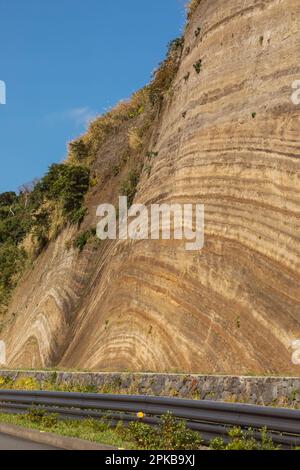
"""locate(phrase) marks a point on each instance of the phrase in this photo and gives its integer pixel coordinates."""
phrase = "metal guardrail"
(211, 419)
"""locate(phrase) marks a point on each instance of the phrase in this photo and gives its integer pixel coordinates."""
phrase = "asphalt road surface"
(16, 443)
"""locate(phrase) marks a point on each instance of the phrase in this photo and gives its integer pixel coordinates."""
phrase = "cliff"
(226, 134)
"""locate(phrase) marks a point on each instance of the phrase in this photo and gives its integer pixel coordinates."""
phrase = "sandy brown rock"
(228, 137)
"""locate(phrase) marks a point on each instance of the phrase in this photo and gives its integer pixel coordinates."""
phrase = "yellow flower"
(2, 381)
(140, 415)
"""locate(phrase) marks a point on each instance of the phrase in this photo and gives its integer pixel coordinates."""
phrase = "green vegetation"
(30, 383)
(116, 385)
(39, 211)
(65, 185)
(169, 434)
(14, 224)
(197, 66)
(83, 238)
(14, 220)
(253, 115)
(12, 263)
(240, 440)
(88, 429)
(30, 219)
(137, 113)
(79, 149)
(129, 185)
(62, 189)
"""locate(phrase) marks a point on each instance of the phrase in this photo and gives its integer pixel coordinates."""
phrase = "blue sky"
(64, 61)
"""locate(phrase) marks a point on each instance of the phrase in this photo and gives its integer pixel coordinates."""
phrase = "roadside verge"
(55, 440)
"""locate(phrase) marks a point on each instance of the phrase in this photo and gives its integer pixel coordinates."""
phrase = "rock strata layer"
(229, 137)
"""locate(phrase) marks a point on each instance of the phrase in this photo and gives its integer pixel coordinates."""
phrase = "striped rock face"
(228, 137)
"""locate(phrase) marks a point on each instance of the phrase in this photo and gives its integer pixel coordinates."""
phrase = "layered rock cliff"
(227, 135)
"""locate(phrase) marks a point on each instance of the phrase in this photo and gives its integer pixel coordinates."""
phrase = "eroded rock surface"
(229, 137)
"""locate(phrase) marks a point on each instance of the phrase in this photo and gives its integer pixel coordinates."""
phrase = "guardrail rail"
(211, 419)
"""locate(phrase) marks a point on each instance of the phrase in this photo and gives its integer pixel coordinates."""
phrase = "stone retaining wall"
(279, 391)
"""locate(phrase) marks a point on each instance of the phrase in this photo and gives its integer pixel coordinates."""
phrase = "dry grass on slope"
(192, 7)
(147, 100)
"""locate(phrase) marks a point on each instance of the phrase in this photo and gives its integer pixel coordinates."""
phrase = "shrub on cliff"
(58, 197)
(15, 223)
(83, 238)
(79, 150)
(12, 260)
(129, 185)
(64, 184)
(14, 218)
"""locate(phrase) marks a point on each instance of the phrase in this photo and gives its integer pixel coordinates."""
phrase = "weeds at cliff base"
(244, 440)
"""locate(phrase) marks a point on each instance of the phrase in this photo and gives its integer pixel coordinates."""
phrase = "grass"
(86, 147)
(89, 430)
(244, 440)
(169, 434)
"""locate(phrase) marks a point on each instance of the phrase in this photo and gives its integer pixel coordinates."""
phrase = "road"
(15, 443)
